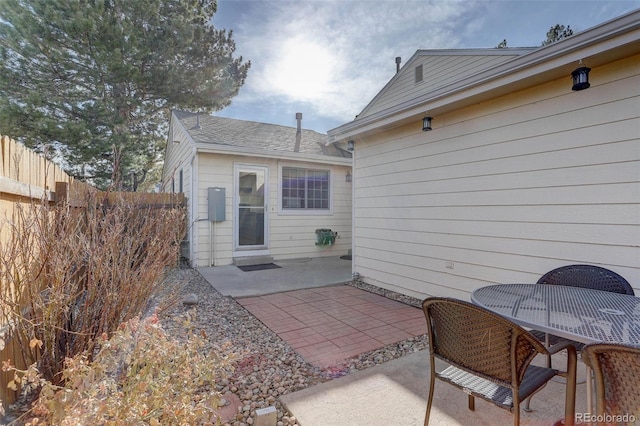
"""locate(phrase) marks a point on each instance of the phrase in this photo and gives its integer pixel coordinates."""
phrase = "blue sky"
(327, 59)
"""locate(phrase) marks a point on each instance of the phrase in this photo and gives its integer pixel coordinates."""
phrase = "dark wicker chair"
(585, 276)
(489, 357)
(616, 369)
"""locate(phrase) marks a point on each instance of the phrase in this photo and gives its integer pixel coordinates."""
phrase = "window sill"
(305, 212)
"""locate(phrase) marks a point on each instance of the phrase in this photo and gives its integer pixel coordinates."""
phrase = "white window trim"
(305, 212)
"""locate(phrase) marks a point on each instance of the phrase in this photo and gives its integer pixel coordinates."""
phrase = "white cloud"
(336, 55)
(329, 58)
(300, 68)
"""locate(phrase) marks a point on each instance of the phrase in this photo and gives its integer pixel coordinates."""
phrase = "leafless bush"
(139, 376)
(70, 275)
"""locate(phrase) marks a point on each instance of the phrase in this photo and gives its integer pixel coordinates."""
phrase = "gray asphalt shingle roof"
(250, 134)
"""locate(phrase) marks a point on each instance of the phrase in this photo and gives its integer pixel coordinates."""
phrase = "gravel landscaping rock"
(266, 367)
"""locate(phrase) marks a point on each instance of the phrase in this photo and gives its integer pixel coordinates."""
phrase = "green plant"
(138, 376)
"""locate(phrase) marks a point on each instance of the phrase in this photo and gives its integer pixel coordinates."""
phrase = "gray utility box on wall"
(216, 200)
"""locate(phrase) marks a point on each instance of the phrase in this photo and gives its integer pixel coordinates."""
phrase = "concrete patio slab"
(395, 393)
(293, 274)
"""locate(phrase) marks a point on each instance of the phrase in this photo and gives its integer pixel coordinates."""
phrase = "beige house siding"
(290, 236)
(504, 190)
(213, 171)
(179, 158)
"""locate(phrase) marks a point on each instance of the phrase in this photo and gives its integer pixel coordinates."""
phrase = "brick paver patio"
(327, 325)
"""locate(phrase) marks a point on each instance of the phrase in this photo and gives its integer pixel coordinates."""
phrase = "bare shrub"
(139, 376)
(71, 274)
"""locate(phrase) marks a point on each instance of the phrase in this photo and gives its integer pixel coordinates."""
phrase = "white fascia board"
(519, 73)
(280, 155)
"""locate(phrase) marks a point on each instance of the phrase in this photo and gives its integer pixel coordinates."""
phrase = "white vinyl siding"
(177, 168)
(215, 239)
(293, 231)
(505, 190)
(291, 235)
(177, 163)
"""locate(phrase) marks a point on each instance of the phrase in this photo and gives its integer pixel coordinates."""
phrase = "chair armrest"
(560, 346)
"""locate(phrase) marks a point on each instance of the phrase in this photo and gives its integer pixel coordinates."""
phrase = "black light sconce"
(580, 77)
(348, 177)
(351, 146)
(426, 123)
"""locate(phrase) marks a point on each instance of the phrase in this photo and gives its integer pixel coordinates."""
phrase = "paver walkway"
(327, 325)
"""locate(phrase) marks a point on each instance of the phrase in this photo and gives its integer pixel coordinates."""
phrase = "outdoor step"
(252, 260)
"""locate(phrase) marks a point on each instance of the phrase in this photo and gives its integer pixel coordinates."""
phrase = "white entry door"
(251, 201)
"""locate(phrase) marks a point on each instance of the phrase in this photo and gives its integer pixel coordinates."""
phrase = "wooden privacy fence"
(26, 174)
(27, 177)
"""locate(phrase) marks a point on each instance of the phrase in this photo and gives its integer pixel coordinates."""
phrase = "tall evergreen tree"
(93, 80)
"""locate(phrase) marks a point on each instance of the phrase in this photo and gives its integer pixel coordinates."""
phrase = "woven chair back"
(587, 276)
(616, 369)
(479, 341)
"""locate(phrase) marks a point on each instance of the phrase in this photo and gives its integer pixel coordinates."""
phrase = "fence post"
(62, 192)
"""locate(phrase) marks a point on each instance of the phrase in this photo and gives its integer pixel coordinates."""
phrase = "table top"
(580, 314)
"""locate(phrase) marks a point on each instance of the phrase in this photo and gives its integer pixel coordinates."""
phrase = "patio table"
(579, 314)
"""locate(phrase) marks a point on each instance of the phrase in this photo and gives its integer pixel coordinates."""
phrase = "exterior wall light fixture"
(580, 77)
(348, 177)
(351, 146)
(426, 123)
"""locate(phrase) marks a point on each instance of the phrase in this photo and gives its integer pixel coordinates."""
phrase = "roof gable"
(439, 68)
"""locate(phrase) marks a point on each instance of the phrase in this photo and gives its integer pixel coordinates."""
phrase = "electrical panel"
(216, 201)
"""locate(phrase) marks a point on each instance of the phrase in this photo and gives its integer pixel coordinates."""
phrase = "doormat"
(249, 268)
